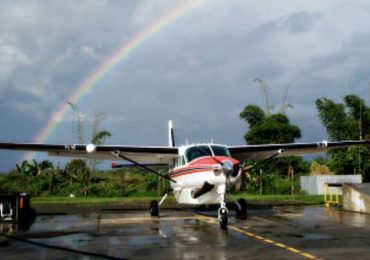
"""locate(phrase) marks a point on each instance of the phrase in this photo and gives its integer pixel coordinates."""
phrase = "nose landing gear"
(223, 213)
(223, 217)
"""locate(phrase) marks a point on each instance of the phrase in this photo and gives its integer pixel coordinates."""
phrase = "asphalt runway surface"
(274, 233)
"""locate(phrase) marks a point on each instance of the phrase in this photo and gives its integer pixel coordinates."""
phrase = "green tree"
(37, 177)
(349, 120)
(98, 137)
(264, 129)
(77, 170)
(253, 115)
(267, 97)
(268, 129)
(24, 168)
(78, 126)
(266, 94)
(47, 169)
(34, 168)
(320, 166)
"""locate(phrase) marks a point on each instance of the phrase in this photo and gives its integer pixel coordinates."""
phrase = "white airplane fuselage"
(198, 170)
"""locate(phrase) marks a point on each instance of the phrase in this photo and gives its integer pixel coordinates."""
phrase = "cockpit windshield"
(198, 151)
(195, 152)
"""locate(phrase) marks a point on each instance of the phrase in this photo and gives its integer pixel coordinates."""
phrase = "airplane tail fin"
(171, 135)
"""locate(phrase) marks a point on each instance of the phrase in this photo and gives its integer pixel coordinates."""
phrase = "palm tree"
(77, 169)
(97, 138)
(46, 168)
(34, 169)
(24, 168)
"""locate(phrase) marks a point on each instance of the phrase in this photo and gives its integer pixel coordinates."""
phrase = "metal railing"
(331, 194)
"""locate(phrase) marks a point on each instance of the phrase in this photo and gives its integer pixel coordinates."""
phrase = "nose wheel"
(223, 217)
(223, 213)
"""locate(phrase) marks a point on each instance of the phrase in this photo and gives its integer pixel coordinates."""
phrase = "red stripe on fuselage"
(202, 164)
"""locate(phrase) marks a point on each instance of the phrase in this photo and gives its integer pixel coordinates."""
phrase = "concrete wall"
(314, 185)
(356, 197)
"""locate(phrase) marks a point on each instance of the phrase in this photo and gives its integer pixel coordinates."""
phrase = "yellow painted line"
(260, 238)
(292, 249)
(280, 245)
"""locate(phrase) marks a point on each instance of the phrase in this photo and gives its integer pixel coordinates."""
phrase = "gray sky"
(198, 71)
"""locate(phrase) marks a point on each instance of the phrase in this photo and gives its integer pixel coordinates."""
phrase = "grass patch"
(88, 200)
(85, 201)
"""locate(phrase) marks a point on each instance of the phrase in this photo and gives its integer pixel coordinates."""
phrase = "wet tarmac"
(275, 233)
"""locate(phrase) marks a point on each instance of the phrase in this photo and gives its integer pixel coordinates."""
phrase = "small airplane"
(199, 174)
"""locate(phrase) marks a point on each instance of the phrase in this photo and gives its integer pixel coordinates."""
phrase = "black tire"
(224, 220)
(242, 212)
(154, 210)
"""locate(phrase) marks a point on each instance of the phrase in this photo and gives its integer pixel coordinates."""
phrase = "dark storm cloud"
(300, 22)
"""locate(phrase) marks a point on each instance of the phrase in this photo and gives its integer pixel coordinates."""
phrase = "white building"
(314, 185)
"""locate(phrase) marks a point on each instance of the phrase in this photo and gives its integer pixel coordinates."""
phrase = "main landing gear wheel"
(154, 209)
(241, 209)
(223, 218)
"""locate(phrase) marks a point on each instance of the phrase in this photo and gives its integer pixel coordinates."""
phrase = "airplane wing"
(141, 154)
(263, 151)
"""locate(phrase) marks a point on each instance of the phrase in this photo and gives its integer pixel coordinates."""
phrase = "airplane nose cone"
(227, 167)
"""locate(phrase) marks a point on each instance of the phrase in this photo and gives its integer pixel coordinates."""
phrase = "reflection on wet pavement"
(181, 235)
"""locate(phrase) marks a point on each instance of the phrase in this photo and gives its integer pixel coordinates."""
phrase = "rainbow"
(120, 54)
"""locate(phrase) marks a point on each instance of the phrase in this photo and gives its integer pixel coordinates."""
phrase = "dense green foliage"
(266, 128)
(273, 128)
(130, 182)
(347, 121)
(73, 180)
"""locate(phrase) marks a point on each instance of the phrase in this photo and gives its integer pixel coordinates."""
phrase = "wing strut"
(118, 154)
(280, 151)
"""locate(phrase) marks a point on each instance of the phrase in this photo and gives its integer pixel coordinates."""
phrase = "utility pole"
(261, 183)
(291, 175)
(360, 133)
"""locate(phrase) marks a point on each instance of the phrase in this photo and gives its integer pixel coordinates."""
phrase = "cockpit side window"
(220, 151)
(195, 152)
